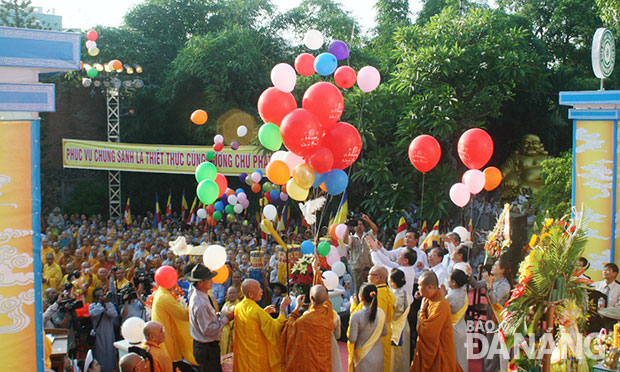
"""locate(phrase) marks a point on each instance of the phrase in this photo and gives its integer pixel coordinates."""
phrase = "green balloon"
(266, 187)
(206, 171)
(269, 136)
(217, 215)
(210, 155)
(323, 248)
(248, 180)
(207, 191)
(92, 73)
(230, 209)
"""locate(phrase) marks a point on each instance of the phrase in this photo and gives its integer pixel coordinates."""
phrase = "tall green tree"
(610, 13)
(18, 13)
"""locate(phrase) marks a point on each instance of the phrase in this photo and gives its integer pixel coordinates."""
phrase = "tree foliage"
(18, 13)
(554, 197)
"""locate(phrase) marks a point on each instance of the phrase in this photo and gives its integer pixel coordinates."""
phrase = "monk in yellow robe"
(52, 273)
(257, 334)
(306, 340)
(435, 345)
(175, 319)
(378, 276)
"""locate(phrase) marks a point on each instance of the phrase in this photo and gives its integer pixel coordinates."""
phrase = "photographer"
(65, 316)
(102, 315)
(359, 253)
(132, 301)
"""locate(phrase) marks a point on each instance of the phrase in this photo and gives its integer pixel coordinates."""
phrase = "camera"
(352, 219)
(127, 293)
(74, 275)
(143, 277)
(70, 304)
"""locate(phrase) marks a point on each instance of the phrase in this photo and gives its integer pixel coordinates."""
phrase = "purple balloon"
(234, 145)
(242, 177)
(339, 49)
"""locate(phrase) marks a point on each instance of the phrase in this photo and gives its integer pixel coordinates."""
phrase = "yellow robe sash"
(399, 324)
(497, 310)
(456, 317)
(361, 352)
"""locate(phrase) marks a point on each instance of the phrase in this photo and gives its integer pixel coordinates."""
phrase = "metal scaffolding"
(114, 177)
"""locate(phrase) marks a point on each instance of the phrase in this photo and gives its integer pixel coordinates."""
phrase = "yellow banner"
(158, 158)
(20, 251)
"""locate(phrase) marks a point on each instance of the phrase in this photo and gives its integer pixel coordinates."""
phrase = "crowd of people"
(399, 309)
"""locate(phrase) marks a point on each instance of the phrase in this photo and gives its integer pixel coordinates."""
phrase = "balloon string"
(422, 198)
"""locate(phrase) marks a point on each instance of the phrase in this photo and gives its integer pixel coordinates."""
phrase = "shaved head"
(154, 332)
(251, 289)
(318, 294)
(129, 362)
(429, 278)
(378, 275)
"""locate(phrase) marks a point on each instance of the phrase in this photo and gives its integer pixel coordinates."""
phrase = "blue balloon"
(307, 247)
(224, 199)
(275, 194)
(336, 181)
(325, 64)
(240, 190)
(260, 172)
(319, 178)
(219, 206)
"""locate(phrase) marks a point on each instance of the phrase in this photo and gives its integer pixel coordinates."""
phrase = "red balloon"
(304, 64)
(475, 148)
(267, 196)
(424, 153)
(301, 132)
(325, 101)
(211, 221)
(210, 209)
(166, 276)
(222, 184)
(92, 35)
(218, 147)
(345, 77)
(274, 105)
(321, 160)
(345, 143)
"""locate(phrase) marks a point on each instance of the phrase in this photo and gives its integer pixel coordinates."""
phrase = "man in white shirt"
(435, 257)
(608, 285)
(406, 261)
(411, 240)
(451, 241)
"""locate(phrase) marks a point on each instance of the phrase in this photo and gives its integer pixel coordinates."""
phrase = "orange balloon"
(211, 221)
(492, 177)
(278, 172)
(115, 64)
(222, 275)
(256, 187)
(199, 117)
(230, 192)
(332, 231)
(323, 187)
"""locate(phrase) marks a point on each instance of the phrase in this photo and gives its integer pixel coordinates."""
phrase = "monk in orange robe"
(435, 346)
(306, 339)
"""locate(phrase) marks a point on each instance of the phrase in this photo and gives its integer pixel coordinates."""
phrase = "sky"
(85, 14)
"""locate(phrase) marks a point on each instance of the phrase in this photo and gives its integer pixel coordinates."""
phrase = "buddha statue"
(522, 169)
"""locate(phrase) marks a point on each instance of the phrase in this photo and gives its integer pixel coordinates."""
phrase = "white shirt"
(380, 259)
(422, 257)
(442, 274)
(612, 290)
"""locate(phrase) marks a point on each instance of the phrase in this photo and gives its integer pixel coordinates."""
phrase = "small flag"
(157, 217)
(169, 207)
(470, 227)
(399, 240)
(127, 214)
(343, 209)
(183, 206)
(192, 214)
(423, 232)
(433, 237)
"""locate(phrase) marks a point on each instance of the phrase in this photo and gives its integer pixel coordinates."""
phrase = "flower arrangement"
(499, 238)
(302, 274)
(549, 285)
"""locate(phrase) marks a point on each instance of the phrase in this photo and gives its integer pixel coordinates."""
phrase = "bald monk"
(435, 345)
(257, 335)
(305, 339)
(132, 362)
(378, 276)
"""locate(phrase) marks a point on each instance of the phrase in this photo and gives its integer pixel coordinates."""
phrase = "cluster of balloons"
(218, 143)
(475, 148)
(211, 184)
(319, 146)
(214, 258)
(233, 202)
(91, 43)
(253, 180)
(199, 117)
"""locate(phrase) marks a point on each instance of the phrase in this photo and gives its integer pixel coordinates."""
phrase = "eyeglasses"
(140, 366)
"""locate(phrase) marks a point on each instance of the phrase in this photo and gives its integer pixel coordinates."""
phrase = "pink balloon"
(245, 203)
(332, 256)
(474, 180)
(91, 44)
(283, 196)
(292, 160)
(459, 194)
(256, 177)
(341, 230)
(166, 276)
(368, 79)
(284, 77)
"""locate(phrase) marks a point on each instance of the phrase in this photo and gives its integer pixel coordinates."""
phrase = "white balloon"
(339, 268)
(232, 199)
(242, 130)
(278, 155)
(463, 233)
(238, 208)
(270, 212)
(91, 44)
(218, 138)
(284, 77)
(341, 229)
(202, 213)
(132, 330)
(330, 279)
(214, 257)
(241, 197)
(313, 39)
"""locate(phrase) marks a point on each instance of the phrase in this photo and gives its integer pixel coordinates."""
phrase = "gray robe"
(359, 332)
(400, 354)
(105, 352)
(457, 298)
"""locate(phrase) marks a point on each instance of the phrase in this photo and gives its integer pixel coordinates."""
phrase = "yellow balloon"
(303, 176)
(294, 191)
